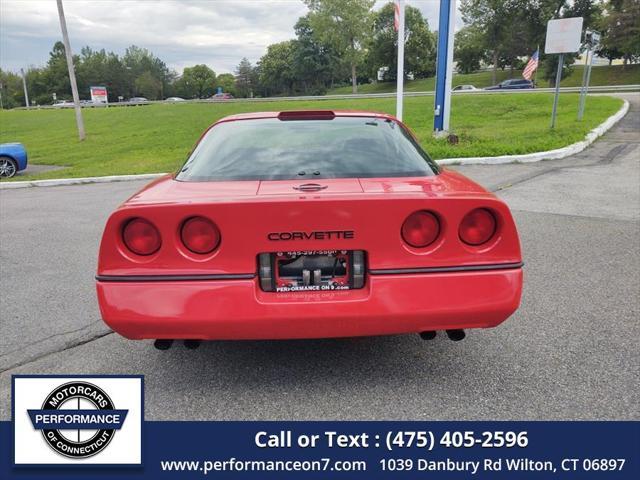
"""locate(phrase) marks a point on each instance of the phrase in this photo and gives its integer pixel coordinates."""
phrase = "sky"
(182, 33)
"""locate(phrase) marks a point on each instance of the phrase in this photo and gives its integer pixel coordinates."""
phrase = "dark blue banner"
(367, 450)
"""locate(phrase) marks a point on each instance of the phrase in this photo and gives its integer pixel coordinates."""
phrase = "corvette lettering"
(318, 235)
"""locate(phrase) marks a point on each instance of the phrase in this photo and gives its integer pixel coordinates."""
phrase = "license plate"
(312, 270)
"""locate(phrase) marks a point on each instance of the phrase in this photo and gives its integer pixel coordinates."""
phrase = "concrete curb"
(557, 154)
(79, 181)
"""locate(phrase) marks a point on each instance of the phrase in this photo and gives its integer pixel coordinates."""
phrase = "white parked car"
(137, 101)
(465, 88)
(64, 104)
(174, 99)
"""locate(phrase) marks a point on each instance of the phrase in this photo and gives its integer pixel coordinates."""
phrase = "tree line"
(340, 42)
(504, 33)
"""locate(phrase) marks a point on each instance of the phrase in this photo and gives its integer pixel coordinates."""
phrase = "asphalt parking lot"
(570, 352)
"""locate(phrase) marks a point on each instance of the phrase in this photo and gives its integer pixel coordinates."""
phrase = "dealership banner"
(93, 427)
(99, 94)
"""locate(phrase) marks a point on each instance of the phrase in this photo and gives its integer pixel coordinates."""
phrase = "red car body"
(393, 287)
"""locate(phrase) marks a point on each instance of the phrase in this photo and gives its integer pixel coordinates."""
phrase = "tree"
(315, 64)
(246, 78)
(276, 72)
(198, 81)
(489, 17)
(512, 29)
(138, 61)
(227, 82)
(56, 72)
(469, 50)
(11, 89)
(344, 25)
(148, 86)
(419, 49)
(621, 30)
(101, 68)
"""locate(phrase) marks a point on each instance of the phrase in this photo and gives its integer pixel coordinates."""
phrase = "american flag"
(531, 65)
(396, 16)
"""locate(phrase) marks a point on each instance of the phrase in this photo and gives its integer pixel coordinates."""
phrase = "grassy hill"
(157, 138)
(600, 75)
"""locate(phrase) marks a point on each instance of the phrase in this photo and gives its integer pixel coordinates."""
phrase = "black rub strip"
(461, 268)
(173, 278)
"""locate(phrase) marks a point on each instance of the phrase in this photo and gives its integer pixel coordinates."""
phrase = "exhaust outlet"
(428, 335)
(191, 344)
(456, 335)
(163, 344)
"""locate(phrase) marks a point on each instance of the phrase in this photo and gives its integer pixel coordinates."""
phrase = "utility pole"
(24, 85)
(72, 73)
(400, 70)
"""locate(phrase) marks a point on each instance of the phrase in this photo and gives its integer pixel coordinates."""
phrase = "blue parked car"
(13, 158)
(513, 84)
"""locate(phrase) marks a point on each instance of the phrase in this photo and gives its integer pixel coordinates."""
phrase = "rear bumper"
(238, 309)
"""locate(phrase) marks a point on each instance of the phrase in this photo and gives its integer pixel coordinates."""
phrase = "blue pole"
(444, 67)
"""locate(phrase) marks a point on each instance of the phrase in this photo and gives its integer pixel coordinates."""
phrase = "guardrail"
(351, 96)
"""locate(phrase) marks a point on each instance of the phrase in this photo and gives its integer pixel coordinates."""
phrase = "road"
(570, 352)
(303, 98)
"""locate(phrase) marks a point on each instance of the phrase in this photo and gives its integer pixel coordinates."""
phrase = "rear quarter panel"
(17, 151)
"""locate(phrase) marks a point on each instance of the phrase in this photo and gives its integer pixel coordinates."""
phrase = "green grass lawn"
(601, 75)
(157, 138)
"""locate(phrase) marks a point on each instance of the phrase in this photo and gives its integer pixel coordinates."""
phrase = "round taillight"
(477, 227)
(141, 237)
(420, 229)
(200, 235)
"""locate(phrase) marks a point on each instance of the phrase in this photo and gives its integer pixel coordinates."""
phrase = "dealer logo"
(78, 419)
(83, 420)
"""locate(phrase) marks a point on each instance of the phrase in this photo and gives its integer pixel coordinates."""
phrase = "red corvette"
(308, 224)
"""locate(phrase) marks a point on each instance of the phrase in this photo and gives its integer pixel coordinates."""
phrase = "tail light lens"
(420, 229)
(477, 227)
(200, 235)
(141, 237)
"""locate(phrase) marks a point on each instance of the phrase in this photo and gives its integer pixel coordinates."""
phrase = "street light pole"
(72, 73)
(400, 69)
(24, 85)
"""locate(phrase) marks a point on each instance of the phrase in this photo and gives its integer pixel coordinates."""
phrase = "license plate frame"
(311, 270)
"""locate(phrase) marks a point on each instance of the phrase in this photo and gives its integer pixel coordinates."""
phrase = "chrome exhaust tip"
(163, 344)
(456, 335)
(192, 344)
(428, 335)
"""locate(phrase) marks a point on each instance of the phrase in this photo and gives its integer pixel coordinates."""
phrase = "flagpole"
(400, 69)
(535, 76)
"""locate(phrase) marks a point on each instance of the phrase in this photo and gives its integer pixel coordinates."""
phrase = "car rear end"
(13, 158)
(311, 257)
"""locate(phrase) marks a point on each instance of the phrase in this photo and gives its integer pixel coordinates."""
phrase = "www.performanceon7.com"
(396, 441)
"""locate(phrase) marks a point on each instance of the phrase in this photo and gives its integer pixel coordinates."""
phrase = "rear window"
(273, 149)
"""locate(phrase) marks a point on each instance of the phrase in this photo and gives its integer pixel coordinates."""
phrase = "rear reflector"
(200, 235)
(141, 237)
(477, 227)
(307, 115)
(420, 229)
